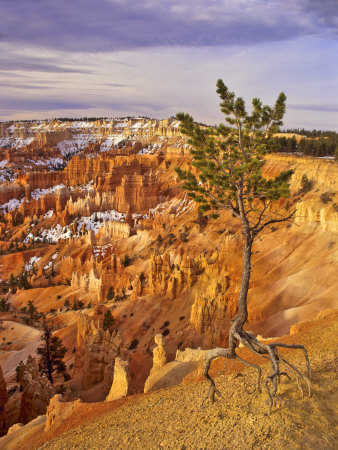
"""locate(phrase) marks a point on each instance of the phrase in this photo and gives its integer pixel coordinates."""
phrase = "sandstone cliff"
(3, 400)
(36, 391)
(96, 351)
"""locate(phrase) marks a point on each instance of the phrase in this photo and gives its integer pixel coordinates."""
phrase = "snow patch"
(112, 141)
(49, 214)
(37, 193)
(12, 204)
(33, 261)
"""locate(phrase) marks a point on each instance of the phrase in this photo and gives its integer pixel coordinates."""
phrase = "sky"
(111, 58)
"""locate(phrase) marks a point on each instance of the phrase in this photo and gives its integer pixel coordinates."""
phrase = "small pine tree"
(4, 305)
(305, 183)
(110, 293)
(108, 320)
(80, 304)
(30, 314)
(75, 306)
(23, 282)
(51, 354)
(66, 304)
(11, 280)
(126, 260)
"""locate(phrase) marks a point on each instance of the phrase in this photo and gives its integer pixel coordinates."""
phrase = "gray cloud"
(110, 25)
(32, 64)
(43, 105)
(22, 86)
(322, 108)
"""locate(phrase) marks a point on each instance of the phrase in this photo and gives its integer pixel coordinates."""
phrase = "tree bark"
(241, 317)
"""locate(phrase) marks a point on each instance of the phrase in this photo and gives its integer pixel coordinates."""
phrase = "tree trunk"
(242, 316)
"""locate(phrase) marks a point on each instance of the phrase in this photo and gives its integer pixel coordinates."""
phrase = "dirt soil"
(174, 419)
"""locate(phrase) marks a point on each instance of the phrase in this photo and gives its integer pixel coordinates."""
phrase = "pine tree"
(75, 305)
(4, 305)
(66, 304)
(108, 320)
(30, 314)
(11, 282)
(305, 183)
(51, 354)
(229, 160)
(110, 293)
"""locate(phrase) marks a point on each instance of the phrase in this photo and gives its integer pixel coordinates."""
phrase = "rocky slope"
(173, 418)
(92, 212)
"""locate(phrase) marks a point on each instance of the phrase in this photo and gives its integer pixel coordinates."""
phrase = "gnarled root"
(270, 352)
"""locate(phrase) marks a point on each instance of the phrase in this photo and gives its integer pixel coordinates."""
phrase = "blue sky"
(155, 58)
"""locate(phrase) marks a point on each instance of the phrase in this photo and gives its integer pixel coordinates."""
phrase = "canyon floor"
(174, 418)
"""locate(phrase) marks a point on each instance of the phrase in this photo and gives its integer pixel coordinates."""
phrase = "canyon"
(92, 215)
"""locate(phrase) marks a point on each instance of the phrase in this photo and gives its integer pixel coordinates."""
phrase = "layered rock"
(88, 283)
(136, 193)
(96, 352)
(166, 279)
(36, 391)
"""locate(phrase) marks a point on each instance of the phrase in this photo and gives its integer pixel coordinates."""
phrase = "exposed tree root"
(270, 352)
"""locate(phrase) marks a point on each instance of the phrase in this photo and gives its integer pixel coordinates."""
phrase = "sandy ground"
(23, 341)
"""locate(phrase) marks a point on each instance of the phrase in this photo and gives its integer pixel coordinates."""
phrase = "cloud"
(40, 105)
(22, 86)
(32, 64)
(112, 25)
(323, 108)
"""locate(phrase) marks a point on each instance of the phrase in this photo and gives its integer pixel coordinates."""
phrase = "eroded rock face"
(3, 400)
(96, 352)
(36, 391)
(14, 427)
(166, 279)
(58, 410)
(121, 382)
(212, 311)
(159, 360)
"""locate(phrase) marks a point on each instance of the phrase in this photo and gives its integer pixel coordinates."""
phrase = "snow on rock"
(28, 238)
(53, 234)
(55, 256)
(178, 205)
(150, 149)
(12, 204)
(33, 261)
(37, 163)
(37, 193)
(7, 175)
(80, 142)
(49, 214)
(95, 221)
(112, 141)
(84, 223)
(55, 163)
(10, 142)
(3, 163)
(100, 250)
(51, 163)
